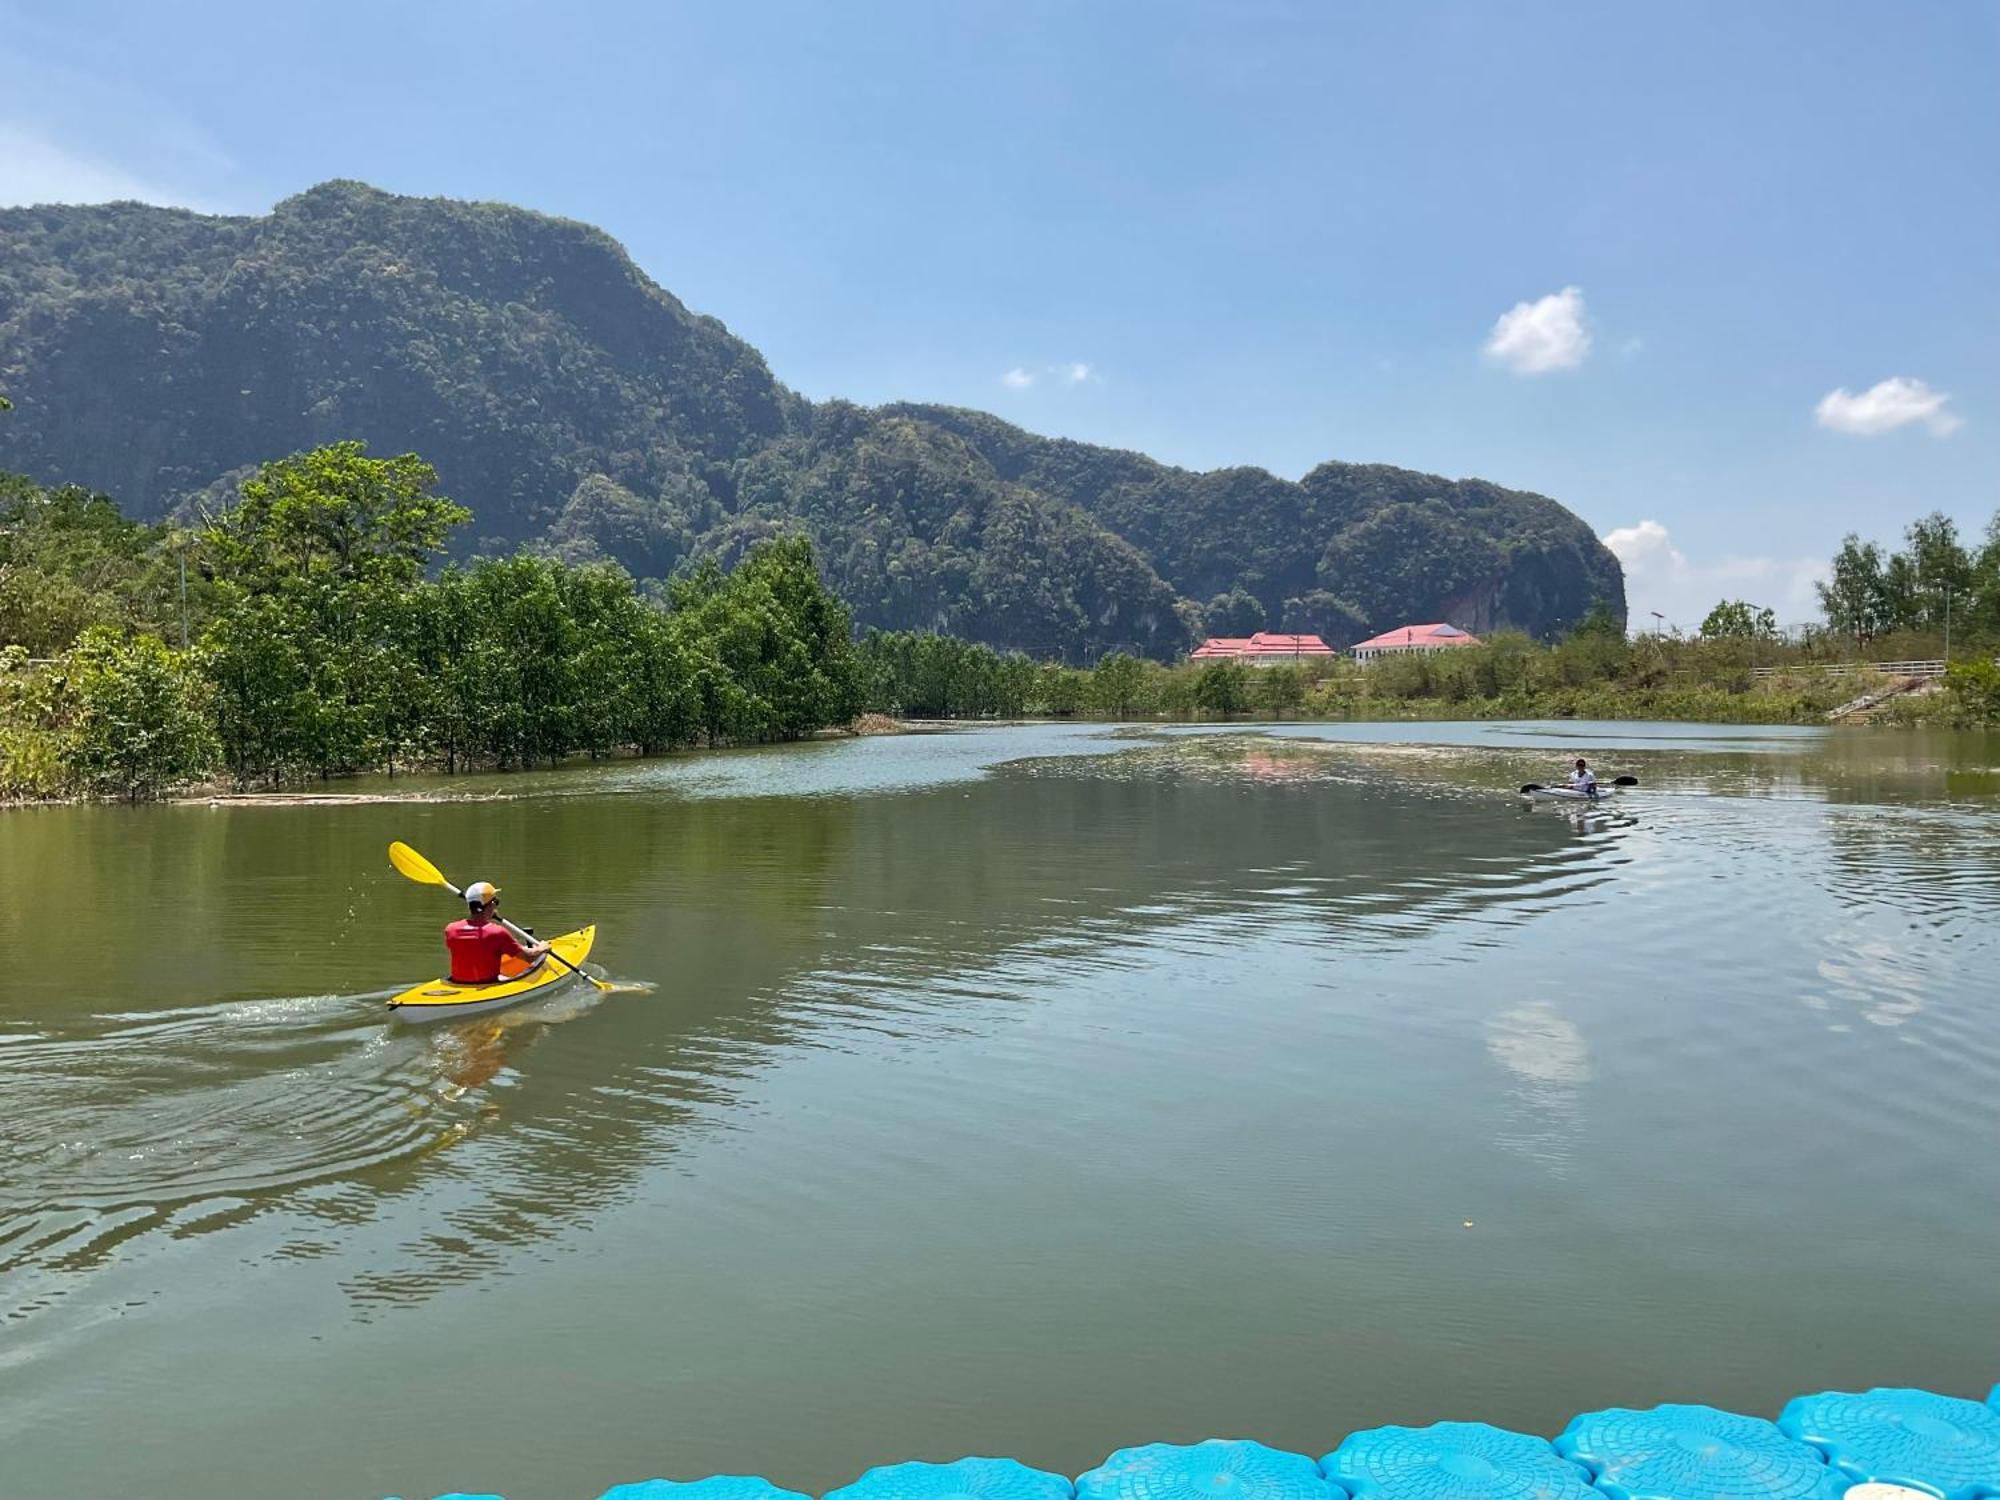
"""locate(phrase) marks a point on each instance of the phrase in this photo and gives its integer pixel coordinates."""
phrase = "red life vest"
(476, 949)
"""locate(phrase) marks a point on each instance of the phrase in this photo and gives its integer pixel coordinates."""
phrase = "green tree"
(1596, 651)
(1733, 619)
(70, 559)
(256, 652)
(139, 720)
(1222, 688)
(1975, 691)
(1060, 691)
(1013, 685)
(1851, 597)
(781, 637)
(1941, 568)
(31, 762)
(1281, 689)
(1982, 611)
(335, 511)
(1115, 685)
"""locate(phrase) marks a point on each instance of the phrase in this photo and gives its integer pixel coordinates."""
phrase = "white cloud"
(1885, 406)
(1646, 545)
(1533, 338)
(35, 169)
(1660, 577)
(1072, 372)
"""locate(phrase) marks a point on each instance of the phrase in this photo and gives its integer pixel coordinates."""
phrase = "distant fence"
(1856, 668)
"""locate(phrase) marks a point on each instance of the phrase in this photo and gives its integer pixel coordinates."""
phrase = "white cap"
(481, 893)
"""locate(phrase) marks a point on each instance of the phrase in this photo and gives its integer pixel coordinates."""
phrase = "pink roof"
(1263, 643)
(1439, 634)
(1304, 645)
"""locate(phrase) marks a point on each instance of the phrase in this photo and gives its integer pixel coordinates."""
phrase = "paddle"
(414, 866)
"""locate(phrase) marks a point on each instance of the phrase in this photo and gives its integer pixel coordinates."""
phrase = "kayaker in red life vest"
(478, 941)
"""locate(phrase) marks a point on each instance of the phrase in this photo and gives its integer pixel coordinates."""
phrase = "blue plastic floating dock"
(1453, 1461)
(1695, 1453)
(1939, 1444)
(1217, 1469)
(716, 1487)
(968, 1479)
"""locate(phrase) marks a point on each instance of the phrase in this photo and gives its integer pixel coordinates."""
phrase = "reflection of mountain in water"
(767, 922)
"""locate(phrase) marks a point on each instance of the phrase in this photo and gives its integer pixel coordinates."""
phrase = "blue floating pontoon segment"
(1217, 1469)
(1695, 1453)
(1940, 1444)
(968, 1479)
(716, 1487)
(1453, 1461)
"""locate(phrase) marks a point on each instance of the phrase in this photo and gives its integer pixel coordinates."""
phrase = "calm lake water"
(1022, 1090)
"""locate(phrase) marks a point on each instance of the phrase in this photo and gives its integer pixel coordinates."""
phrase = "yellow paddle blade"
(414, 866)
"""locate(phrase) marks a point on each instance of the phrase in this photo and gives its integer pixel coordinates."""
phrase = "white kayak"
(1535, 792)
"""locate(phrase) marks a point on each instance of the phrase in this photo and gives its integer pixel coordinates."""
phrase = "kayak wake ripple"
(131, 1123)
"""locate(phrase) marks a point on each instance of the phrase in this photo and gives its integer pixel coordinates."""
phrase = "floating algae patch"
(1244, 758)
(1273, 758)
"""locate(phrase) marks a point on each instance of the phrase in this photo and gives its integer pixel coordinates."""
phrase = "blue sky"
(1723, 278)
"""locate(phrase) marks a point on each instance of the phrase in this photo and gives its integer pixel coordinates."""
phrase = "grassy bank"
(1596, 673)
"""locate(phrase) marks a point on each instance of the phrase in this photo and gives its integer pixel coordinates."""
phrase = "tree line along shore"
(303, 634)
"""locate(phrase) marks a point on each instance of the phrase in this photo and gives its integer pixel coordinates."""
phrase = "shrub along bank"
(1594, 673)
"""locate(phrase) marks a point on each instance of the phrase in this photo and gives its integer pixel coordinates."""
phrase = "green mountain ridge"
(573, 404)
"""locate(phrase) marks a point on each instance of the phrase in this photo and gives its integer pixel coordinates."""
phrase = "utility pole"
(184, 595)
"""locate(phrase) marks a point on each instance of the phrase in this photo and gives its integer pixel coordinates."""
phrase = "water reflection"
(767, 922)
(1086, 1039)
(1550, 1062)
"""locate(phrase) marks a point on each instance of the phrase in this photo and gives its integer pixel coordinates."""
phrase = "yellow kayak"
(517, 981)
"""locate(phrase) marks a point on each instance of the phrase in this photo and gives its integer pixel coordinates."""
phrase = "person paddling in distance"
(479, 941)
(1582, 779)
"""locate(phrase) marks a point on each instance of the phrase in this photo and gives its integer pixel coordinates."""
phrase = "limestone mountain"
(572, 404)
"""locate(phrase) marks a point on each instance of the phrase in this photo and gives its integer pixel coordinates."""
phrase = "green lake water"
(1027, 1090)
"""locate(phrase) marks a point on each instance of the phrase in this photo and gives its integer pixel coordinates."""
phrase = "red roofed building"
(1439, 637)
(1264, 649)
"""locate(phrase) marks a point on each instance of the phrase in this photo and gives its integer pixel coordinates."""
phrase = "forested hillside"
(570, 403)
